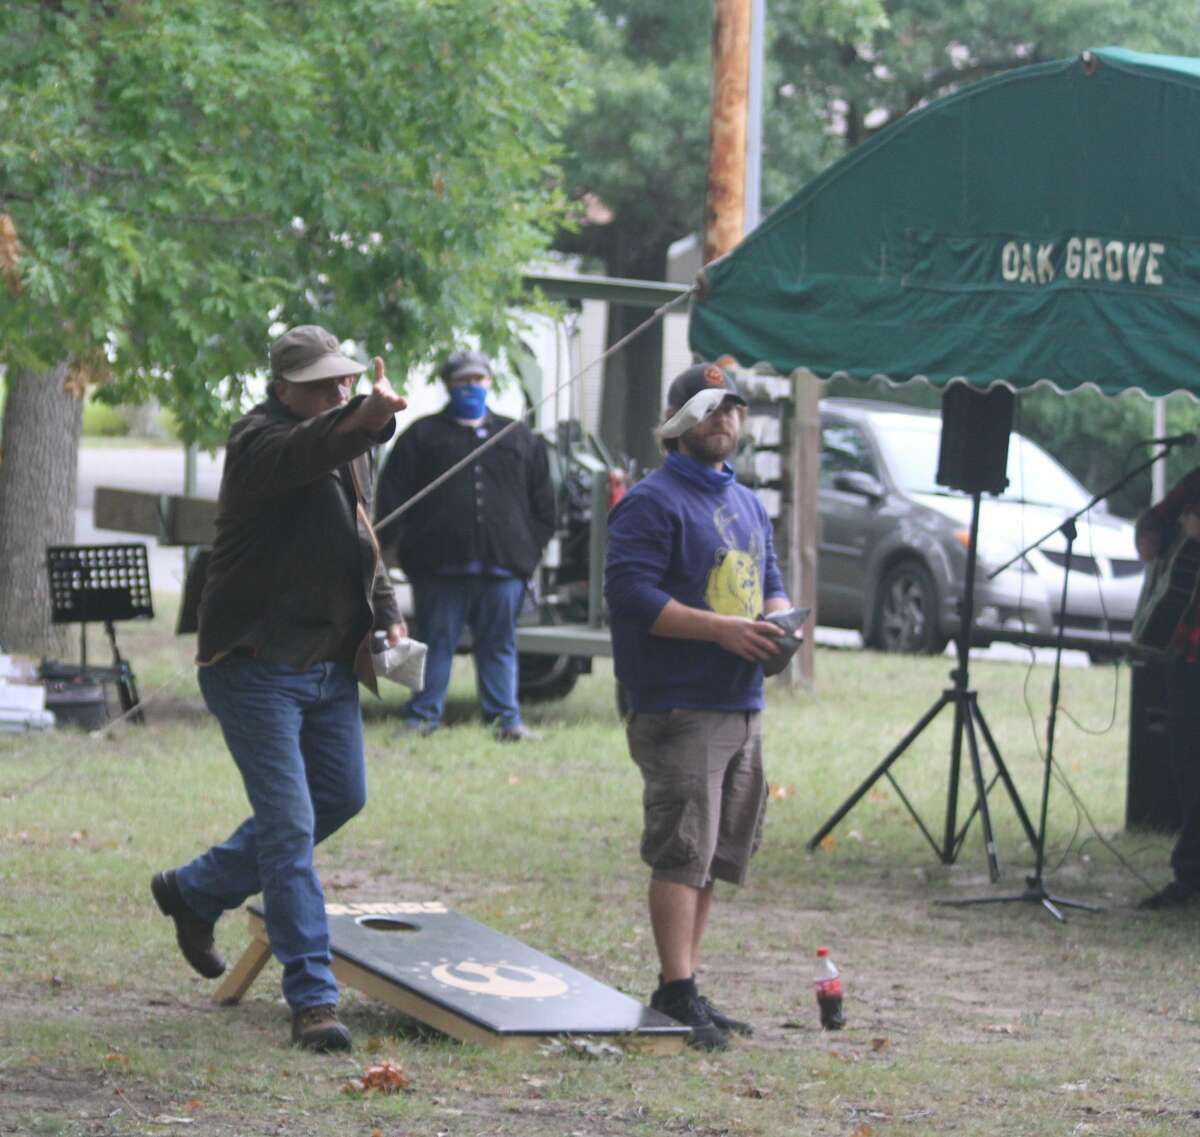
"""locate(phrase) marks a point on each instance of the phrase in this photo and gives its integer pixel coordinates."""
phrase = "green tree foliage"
(928, 48)
(178, 175)
(640, 144)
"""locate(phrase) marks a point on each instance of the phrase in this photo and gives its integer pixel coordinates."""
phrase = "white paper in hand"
(404, 663)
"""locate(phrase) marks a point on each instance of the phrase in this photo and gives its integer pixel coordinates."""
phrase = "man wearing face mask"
(294, 590)
(469, 547)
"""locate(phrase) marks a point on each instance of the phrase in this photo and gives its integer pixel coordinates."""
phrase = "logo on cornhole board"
(504, 980)
(464, 978)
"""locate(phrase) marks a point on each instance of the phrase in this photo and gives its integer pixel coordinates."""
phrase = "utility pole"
(725, 209)
(732, 205)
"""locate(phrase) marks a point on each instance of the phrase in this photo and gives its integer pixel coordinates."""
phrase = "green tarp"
(1040, 225)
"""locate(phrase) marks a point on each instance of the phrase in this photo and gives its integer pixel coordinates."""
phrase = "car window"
(910, 446)
(844, 449)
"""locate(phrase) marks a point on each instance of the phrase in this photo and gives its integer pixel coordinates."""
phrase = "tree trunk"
(39, 455)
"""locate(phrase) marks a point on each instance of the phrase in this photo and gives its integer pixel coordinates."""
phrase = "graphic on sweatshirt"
(734, 585)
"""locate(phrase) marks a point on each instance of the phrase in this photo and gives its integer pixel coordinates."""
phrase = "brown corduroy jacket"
(295, 575)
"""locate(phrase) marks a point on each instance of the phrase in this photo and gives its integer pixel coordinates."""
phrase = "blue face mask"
(468, 400)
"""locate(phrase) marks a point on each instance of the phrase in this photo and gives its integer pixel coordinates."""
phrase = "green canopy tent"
(1042, 225)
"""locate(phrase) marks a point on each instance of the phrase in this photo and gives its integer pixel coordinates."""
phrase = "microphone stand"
(1035, 888)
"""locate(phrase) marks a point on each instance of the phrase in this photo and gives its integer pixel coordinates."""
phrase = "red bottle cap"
(822, 951)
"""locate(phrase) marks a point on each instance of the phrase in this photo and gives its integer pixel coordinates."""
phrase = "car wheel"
(541, 678)
(906, 611)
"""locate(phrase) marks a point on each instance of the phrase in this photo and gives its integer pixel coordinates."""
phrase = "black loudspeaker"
(1151, 792)
(975, 430)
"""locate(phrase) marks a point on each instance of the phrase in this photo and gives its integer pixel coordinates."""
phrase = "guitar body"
(1168, 592)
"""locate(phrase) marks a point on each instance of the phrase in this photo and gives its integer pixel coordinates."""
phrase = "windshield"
(910, 449)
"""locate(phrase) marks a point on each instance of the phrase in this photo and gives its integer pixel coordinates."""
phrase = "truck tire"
(542, 678)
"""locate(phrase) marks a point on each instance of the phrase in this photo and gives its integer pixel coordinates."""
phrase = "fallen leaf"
(780, 791)
(114, 1058)
(374, 1045)
(377, 1132)
(10, 253)
(828, 844)
(878, 1043)
(863, 1130)
(385, 1077)
(195, 1103)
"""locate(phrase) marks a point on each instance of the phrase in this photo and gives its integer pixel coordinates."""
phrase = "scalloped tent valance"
(1039, 226)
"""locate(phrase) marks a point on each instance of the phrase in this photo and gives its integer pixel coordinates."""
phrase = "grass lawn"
(986, 1020)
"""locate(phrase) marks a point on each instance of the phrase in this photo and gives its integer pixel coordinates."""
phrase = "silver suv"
(893, 544)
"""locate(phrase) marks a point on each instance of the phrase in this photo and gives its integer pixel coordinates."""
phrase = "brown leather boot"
(194, 936)
(318, 1028)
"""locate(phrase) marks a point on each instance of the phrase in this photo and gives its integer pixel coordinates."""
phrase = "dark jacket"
(295, 575)
(497, 511)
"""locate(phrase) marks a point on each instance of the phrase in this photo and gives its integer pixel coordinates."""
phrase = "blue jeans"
(297, 739)
(489, 606)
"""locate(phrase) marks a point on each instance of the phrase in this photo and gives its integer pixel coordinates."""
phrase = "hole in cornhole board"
(387, 924)
(465, 979)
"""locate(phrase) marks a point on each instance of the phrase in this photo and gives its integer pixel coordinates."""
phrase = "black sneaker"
(318, 1028)
(680, 1001)
(1173, 895)
(724, 1023)
(194, 936)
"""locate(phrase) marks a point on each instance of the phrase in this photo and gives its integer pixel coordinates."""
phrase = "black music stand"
(105, 583)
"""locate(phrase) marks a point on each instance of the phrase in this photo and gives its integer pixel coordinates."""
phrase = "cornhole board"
(465, 979)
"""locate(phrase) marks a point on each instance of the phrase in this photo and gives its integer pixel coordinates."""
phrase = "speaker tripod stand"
(967, 717)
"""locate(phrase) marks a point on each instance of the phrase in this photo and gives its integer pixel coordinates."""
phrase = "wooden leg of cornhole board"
(237, 982)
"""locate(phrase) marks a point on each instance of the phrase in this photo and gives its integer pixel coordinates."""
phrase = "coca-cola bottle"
(828, 984)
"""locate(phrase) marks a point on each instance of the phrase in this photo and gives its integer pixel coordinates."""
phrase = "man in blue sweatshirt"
(691, 571)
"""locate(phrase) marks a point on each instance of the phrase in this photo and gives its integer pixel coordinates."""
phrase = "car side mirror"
(859, 482)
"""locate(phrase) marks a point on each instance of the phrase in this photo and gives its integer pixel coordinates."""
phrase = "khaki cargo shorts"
(705, 792)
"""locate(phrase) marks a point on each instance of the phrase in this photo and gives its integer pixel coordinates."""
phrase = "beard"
(709, 449)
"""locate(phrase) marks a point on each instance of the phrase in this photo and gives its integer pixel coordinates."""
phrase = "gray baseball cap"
(307, 353)
(465, 363)
(695, 394)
